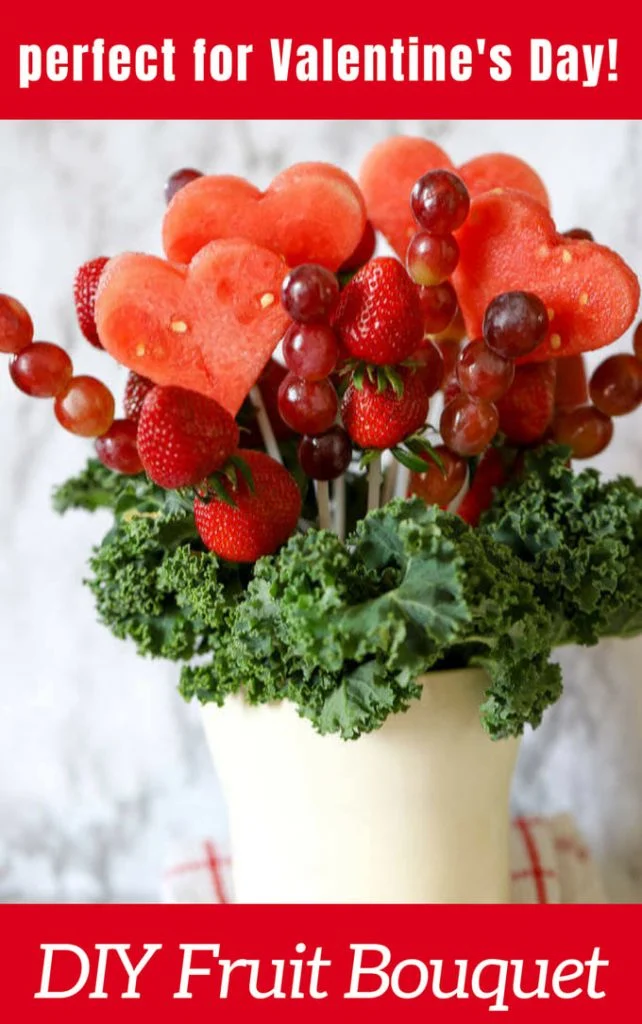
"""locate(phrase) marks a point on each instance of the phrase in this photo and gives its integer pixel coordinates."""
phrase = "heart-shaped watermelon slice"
(210, 327)
(387, 177)
(392, 167)
(510, 243)
(311, 213)
(503, 170)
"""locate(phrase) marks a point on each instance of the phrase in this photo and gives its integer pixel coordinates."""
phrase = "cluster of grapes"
(440, 204)
(615, 389)
(83, 405)
(515, 323)
(307, 398)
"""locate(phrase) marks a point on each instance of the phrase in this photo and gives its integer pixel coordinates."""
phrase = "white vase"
(416, 812)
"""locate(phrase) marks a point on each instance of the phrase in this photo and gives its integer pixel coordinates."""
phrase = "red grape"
(327, 456)
(117, 448)
(585, 430)
(482, 373)
(579, 233)
(637, 341)
(309, 407)
(438, 306)
(85, 407)
(41, 370)
(311, 351)
(440, 202)
(16, 328)
(515, 323)
(468, 425)
(429, 363)
(440, 485)
(616, 385)
(178, 180)
(309, 293)
(431, 258)
(363, 252)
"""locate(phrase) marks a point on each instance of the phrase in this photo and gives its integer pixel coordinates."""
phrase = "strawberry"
(136, 390)
(262, 517)
(85, 285)
(183, 437)
(526, 410)
(441, 482)
(378, 317)
(382, 418)
(571, 386)
(490, 474)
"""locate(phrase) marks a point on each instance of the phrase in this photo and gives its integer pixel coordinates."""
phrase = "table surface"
(102, 766)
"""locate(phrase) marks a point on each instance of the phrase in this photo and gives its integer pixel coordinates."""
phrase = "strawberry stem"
(323, 502)
(263, 420)
(374, 483)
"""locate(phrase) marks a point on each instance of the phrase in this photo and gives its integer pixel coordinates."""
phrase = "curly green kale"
(583, 538)
(344, 630)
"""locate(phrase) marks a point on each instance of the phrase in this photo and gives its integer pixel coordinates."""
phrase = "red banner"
(329, 60)
(357, 963)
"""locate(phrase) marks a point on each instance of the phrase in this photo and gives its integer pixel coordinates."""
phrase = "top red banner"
(331, 59)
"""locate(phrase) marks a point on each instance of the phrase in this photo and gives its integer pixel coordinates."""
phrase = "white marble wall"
(101, 764)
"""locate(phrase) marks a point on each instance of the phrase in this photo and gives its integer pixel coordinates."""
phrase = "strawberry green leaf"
(411, 461)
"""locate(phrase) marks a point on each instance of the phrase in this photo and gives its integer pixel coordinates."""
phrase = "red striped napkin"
(549, 864)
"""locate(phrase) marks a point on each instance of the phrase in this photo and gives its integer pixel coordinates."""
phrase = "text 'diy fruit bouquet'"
(319, 531)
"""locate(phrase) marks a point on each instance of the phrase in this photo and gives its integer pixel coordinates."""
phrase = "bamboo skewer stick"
(389, 482)
(323, 502)
(401, 484)
(263, 420)
(339, 495)
(374, 483)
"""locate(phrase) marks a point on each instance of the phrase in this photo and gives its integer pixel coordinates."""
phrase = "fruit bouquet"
(344, 486)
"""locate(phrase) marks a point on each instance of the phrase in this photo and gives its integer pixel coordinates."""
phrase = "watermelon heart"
(509, 243)
(210, 327)
(392, 167)
(311, 213)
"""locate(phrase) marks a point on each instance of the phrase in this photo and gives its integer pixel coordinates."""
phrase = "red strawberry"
(490, 474)
(378, 317)
(136, 390)
(85, 285)
(571, 386)
(526, 410)
(183, 437)
(262, 517)
(382, 419)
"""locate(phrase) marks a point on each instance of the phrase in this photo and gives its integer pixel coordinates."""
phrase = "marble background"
(102, 766)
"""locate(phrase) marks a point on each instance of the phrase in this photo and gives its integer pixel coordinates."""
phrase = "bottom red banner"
(317, 963)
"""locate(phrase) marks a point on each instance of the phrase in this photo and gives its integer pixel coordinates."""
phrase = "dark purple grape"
(178, 180)
(515, 323)
(309, 293)
(440, 202)
(327, 456)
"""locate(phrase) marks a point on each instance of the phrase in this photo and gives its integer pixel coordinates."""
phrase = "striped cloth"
(549, 864)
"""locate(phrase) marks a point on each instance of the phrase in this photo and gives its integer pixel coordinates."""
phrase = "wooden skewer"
(263, 420)
(374, 483)
(323, 502)
(339, 495)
